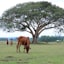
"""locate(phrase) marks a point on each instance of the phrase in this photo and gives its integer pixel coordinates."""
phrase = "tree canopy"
(33, 17)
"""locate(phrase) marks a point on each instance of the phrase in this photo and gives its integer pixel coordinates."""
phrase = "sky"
(7, 4)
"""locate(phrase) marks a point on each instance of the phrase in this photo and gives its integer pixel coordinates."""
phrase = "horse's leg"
(24, 48)
(19, 48)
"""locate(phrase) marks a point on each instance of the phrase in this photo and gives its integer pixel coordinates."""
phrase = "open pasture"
(38, 54)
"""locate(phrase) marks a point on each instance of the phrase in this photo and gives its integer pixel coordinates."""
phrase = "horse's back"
(23, 40)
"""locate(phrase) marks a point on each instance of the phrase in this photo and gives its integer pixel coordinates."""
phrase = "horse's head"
(27, 48)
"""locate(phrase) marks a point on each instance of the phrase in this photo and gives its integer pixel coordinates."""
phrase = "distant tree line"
(50, 38)
(5, 39)
(40, 39)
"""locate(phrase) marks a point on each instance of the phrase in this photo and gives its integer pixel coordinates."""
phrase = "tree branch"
(29, 28)
(47, 28)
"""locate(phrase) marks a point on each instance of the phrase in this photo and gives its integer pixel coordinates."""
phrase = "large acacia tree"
(33, 17)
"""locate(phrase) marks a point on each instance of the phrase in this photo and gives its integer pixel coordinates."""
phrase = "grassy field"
(39, 54)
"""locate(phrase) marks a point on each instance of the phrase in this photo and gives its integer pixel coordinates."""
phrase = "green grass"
(39, 54)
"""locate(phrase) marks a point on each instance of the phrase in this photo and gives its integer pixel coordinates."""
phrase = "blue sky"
(6, 4)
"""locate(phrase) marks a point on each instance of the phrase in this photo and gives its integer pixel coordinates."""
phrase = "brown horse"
(11, 42)
(7, 42)
(23, 41)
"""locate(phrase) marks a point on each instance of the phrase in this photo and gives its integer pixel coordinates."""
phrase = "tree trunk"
(35, 39)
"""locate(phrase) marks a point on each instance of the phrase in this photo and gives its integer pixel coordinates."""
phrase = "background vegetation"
(40, 39)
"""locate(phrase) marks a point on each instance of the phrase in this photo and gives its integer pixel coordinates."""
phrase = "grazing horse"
(23, 41)
(7, 42)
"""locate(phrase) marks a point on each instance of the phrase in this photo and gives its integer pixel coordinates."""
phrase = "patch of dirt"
(25, 62)
(8, 58)
(4, 60)
(20, 59)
